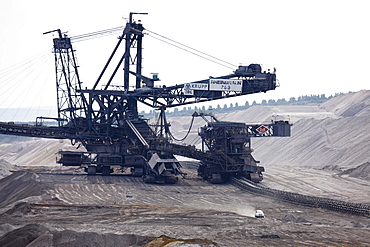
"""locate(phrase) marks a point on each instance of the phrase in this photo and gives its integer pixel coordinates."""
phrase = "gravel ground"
(65, 207)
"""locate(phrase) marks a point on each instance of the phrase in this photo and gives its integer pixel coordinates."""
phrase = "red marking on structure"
(262, 129)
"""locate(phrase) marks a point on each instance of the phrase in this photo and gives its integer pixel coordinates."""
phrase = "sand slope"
(332, 135)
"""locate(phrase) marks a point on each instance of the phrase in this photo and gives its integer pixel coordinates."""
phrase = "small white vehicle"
(259, 214)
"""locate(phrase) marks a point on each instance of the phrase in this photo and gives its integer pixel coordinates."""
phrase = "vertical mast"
(70, 102)
(133, 39)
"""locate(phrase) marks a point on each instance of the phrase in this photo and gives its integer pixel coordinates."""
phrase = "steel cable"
(194, 51)
(16, 80)
(96, 34)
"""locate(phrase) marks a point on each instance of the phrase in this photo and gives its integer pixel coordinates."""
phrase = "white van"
(259, 214)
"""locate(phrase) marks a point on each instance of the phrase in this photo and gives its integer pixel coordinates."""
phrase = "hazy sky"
(317, 47)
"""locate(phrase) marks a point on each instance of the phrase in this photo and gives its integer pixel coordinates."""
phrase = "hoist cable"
(96, 34)
(193, 53)
(16, 80)
(223, 61)
(40, 93)
(11, 70)
(162, 38)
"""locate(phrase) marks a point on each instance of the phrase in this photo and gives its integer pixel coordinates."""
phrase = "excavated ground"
(42, 204)
(41, 207)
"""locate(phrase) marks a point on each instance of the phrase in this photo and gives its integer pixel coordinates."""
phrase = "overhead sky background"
(317, 47)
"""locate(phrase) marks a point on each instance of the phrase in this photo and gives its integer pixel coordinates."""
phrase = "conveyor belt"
(305, 200)
(52, 132)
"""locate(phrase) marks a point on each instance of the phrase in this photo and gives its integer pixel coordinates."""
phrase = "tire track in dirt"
(102, 190)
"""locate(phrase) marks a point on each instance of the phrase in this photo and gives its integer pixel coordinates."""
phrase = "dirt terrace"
(64, 207)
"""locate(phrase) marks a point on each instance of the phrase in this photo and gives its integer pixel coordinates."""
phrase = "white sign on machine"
(214, 85)
(190, 87)
(225, 85)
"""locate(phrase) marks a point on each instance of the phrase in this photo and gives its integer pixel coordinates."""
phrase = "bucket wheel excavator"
(107, 124)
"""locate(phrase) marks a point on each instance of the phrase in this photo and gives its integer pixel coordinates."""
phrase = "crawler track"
(305, 200)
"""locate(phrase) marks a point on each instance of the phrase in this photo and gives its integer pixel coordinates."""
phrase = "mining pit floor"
(40, 206)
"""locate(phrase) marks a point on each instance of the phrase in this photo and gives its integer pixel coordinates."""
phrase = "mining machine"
(106, 122)
(226, 150)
